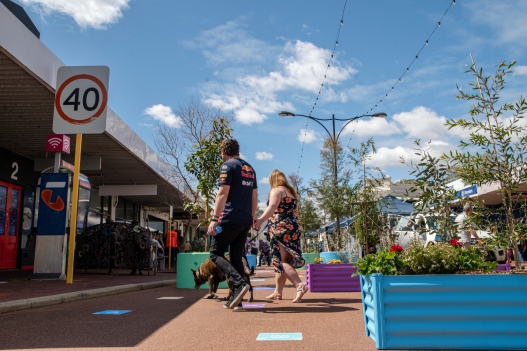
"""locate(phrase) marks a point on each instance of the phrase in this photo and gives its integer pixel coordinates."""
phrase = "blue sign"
(113, 312)
(471, 190)
(279, 336)
(53, 204)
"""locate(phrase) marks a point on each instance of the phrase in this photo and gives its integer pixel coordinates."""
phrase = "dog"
(209, 272)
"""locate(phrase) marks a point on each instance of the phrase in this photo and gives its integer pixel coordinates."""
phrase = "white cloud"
(94, 13)
(164, 114)
(307, 136)
(264, 156)
(370, 127)
(520, 70)
(300, 69)
(264, 180)
(422, 123)
(513, 30)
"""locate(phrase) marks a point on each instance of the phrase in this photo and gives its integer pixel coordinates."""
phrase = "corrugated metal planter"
(332, 278)
(469, 312)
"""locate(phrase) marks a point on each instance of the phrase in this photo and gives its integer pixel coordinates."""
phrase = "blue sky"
(256, 58)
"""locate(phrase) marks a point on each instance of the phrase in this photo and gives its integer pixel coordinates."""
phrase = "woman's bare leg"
(289, 271)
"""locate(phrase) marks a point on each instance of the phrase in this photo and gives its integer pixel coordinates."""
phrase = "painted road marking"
(263, 288)
(3, 282)
(253, 305)
(113, 312)
(257, 280)
(170, 298)
(279, 336)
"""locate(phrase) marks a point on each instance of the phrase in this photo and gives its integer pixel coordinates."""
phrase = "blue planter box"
(469, 312)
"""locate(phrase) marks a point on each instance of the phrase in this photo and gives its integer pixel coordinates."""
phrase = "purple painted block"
(253, 305)
(332, 278)
(503, 267)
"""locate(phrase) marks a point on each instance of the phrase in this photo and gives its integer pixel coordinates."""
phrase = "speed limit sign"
(81, 100)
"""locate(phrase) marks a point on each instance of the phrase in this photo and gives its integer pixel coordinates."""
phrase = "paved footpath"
(325, 321)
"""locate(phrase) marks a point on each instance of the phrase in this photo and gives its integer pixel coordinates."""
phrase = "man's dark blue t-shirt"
(241, 178)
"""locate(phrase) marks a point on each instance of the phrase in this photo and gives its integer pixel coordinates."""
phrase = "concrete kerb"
(18, 305)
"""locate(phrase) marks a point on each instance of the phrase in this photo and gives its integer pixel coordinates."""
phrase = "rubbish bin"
(161, 261)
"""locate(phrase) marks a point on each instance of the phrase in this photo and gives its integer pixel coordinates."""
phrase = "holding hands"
(257, 223)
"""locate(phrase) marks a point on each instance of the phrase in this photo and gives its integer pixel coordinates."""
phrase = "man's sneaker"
(229, 301)
(238, 308)
(238, 294)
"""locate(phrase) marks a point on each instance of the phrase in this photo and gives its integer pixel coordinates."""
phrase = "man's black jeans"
(233, 235)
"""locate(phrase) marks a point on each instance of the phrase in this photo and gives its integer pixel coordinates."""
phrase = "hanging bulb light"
(337, 43)
(427, 42)
(342, 22)
(439, 24)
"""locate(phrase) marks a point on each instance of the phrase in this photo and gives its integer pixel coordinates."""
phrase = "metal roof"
(27, 79)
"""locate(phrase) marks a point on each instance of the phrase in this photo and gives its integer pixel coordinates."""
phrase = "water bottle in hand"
(218, 230)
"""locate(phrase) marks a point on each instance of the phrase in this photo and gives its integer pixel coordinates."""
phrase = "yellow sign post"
(74, 207)
(80, 108)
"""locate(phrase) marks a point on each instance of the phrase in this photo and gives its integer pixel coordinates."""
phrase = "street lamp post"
(334, 137)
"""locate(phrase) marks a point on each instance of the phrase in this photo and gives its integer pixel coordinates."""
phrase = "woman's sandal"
(274, 296)
(300, 291)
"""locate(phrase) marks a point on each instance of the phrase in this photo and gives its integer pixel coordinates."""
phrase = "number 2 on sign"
(75, 96)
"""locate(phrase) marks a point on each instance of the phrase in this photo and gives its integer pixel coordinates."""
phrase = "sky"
(254, 59)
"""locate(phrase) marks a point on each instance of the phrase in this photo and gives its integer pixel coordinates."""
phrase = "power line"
(453, 2)
(335, 44)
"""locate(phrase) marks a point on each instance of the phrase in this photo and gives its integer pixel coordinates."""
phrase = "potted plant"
(417, 299)
(333, 276)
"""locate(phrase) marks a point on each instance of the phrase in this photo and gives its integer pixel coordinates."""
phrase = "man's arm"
(219, 205)
(255, 202)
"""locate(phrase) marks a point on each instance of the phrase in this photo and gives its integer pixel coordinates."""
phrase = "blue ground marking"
(262, 288)
(279, 336)
(113, 312)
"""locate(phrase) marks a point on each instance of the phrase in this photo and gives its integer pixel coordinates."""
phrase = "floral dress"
(284, 230)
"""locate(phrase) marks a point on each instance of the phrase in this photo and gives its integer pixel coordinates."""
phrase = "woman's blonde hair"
(278, 178)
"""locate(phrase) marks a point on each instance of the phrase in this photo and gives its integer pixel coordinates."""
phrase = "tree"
(432, 175)
(307, 212)
(204, 163)
(195, 136)
(331, 191)
(369, 220)
(496, 148)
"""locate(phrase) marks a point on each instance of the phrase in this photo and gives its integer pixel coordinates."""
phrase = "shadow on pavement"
(73, 325)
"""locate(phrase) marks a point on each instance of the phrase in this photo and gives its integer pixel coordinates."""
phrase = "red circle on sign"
(97, 113)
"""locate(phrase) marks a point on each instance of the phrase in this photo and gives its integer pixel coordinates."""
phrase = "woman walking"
(284, 229)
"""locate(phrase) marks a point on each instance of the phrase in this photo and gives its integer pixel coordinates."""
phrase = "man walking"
(234, 210)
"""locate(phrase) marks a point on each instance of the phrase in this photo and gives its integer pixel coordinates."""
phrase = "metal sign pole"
(74, 207)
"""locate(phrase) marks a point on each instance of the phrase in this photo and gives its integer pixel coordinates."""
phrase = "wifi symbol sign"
(58, 143)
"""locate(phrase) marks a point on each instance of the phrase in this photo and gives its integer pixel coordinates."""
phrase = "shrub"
(441, 258)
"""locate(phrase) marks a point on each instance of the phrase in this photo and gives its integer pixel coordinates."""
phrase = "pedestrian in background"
(264, 252)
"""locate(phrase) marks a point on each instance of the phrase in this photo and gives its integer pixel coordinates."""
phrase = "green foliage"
(205, 161)
(432, 174)
(385, 262)
(332, 192)
(444, 258)
(441, 258)
(369, 219)
(497, 145)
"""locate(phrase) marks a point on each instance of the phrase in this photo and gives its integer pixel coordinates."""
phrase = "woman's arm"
(274, 200)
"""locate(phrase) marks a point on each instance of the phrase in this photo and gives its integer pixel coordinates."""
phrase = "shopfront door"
(10, 199)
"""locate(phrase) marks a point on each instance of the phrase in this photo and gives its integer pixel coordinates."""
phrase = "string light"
(341, 23)
(415, 58)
